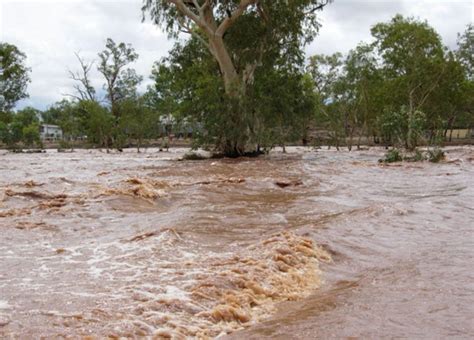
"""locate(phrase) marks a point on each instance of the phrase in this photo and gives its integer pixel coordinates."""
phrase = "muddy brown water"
(309, 244)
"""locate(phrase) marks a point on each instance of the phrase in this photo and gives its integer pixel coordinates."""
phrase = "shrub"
(193, 156)
(392, 156)
(436, 155)
(31, 135)
(417, 156)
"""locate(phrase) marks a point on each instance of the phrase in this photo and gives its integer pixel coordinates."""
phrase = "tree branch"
(189, 30)
(187, 12)
(229, 21)
(88, 92)
(318, 7)
(72, 96)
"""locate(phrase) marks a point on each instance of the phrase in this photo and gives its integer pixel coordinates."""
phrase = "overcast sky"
(50, 31)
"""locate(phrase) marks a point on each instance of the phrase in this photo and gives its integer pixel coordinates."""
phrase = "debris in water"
(27, 225)
(34, 194)
(15, 212)
(142, 236)
(32, 184)
(54, 203)
(285, 183)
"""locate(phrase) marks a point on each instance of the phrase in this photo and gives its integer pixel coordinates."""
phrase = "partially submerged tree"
(362, 85)
(137, 120)
(31, 135)
(98, 123)
(327, 74)
(241, 36)
(278, 107)
(413, 61)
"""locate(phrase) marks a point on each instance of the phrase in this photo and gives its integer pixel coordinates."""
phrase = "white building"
(50, 132)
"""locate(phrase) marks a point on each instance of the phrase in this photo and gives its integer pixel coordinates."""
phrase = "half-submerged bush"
(417, 156)
(392, 156)
(194, 156)
(436, 155)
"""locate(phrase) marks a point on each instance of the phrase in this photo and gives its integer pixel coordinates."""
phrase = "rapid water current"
(308, 244)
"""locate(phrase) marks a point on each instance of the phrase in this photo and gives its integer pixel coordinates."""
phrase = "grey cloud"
(347, 22)
(49, 32)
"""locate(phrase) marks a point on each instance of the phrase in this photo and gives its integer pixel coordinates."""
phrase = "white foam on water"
(176, 293)
(4, 304)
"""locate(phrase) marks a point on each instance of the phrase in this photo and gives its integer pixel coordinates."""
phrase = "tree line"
(244, 84)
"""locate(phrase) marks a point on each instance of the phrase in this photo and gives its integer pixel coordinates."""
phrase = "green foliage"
(67, 115)
(283, 103)
(392, 156)
(417, 156)
(288, 21)
(16, 132)
(98, 123)
(121, 83)
(277, 108)
(5, 135)
(240, 82)
(193, 156)
(31, 135)
(349, 92)
(23, 127)
(465, 52)
(136, 120)
(413, 62)
(27, 116)
(402, 87)
(14, 76)
(402, 127)
(6, 117)
(64, 144)
(240, 38)
(434, 155)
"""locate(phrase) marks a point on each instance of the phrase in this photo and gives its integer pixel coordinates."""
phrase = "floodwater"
(309, 244)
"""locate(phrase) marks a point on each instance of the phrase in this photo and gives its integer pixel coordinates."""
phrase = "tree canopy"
(14, 76)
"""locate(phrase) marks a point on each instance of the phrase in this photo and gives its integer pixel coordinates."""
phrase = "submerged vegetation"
(392, 156)
(434, 155)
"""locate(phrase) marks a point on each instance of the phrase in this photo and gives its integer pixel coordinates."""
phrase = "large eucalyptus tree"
(241, 36)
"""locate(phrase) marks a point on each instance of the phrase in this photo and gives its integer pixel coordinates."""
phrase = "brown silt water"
(308, 244)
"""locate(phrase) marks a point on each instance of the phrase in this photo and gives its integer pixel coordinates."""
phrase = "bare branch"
(87, 90)
(318, 7)
(71, 95)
